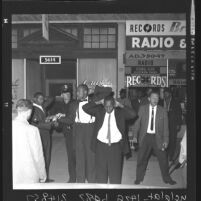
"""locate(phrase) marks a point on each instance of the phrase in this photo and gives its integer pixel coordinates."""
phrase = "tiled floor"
(59, 168)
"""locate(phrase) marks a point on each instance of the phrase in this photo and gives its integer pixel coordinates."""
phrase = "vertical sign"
(45, 26)
(192, 49)
(192, 18)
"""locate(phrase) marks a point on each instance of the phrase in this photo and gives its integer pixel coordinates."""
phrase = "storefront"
(94, 49)
(156, 54)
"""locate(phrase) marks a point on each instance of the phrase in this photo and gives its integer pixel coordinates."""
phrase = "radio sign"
(149, 42)
(50, 59)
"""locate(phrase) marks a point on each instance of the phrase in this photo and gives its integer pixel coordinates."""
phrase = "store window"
(14, 38)
(99, 37)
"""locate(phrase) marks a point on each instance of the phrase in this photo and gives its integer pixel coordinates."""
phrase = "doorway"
(49, 79)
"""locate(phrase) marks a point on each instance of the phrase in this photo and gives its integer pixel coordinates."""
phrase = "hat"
(65, 89)
(101, 92)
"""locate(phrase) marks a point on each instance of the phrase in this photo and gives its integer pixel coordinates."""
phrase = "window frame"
(100, 25)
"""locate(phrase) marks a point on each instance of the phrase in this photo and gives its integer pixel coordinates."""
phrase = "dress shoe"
(170, 181)
(137, 182)
(49, 180)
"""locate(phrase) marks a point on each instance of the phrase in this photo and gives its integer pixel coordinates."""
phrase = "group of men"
(94, 129)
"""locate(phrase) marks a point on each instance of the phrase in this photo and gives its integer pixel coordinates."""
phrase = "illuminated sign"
(150, 42)
(156, 27)
(146, 81)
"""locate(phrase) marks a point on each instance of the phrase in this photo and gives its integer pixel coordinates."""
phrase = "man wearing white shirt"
(152, 133)
(28, 159)
(109, 140)
(83, 125)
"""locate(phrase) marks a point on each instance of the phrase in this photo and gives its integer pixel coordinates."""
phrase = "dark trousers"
(85, 158)
(71, 156)
(108, 163)
(46, 143)
(148, 145)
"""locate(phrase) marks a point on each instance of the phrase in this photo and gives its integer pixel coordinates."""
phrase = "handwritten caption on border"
(160, 196)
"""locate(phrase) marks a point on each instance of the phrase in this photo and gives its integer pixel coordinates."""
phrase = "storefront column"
(121, 51)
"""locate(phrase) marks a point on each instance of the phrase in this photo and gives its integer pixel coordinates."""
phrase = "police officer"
(61, 108)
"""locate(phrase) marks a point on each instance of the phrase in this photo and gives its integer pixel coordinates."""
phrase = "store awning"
(79, 18)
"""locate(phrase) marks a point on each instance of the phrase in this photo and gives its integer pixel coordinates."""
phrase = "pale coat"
(28, 159)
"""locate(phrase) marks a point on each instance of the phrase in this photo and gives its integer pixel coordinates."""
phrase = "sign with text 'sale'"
(50, 60)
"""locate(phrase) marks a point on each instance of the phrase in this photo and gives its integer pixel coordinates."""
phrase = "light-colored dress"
(28, 159)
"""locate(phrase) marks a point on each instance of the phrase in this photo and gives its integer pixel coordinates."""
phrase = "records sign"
(156, 27)
(147, 76)
(146, 81)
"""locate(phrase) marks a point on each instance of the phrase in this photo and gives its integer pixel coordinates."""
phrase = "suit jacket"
(38, 119)
(120, 114)
(161, 125)
(70, 118)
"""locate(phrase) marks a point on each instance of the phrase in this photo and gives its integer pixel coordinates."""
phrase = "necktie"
(152, 119)
(84, 100)
(108, 131)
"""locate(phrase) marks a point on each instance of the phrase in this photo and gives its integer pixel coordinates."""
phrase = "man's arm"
(91, 108)
(70, 118)
(41, 125)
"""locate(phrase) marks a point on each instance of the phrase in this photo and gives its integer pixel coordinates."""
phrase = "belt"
(151, 133)
(114, 143)
(84, 123)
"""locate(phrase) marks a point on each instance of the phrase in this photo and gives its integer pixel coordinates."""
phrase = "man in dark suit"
(152, 133)
(173, 108)
(38, 119)
(109, 140)
(62, 108)
(83, 125)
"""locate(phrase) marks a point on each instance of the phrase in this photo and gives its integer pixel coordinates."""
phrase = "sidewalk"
(59, 168)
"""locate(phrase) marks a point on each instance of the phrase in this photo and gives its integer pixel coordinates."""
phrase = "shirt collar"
(21, 120)
(110, 113)
(150, 106)
(39, 106)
